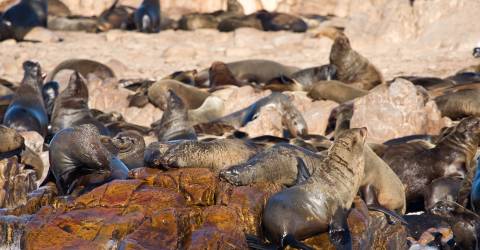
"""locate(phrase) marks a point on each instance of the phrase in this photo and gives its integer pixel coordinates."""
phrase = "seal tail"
(388, 213)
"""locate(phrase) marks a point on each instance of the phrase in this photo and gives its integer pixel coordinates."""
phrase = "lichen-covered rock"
(396, 110)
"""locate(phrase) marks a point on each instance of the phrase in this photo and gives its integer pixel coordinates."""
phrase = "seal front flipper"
(369, 195)
(338, 230)
(289, 240)
(302, 172)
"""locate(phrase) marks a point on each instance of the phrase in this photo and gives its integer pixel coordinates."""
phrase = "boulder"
(16, 182)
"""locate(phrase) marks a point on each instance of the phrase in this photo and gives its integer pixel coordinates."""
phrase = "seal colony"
(323, 180)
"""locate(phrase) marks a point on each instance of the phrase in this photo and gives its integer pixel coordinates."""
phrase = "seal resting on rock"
(353, 68)
(191, 96)
(71, 107)
(79, 161)
(27, 110)
(418, 164)
(129, 146)
(321, 202)
(84, 67)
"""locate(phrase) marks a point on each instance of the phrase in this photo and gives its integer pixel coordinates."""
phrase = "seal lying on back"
(418, 165)
(23, 16)
(27, 110)
(353, 68)
(292, 119)
(71, 107)
(79, 160)
(321, 202)
(147, 16)
(215, 155)
(84, 67)
(174, 124)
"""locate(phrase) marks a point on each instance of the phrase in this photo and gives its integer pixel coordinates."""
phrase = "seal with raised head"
(215, 155)
(147, 16)
(27, 110)
(71, 107)
(174, 124)
(84, 67)
(23, 16)
(353, 68)
(191, 96)
(321, 202)
(418, 164)
(79, 161)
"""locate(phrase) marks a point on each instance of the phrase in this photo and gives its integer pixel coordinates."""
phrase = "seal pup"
(116, 17)
(321, 202)
(215, 154)
(174, 124)
(353, 68)
(233, 23)
(417, 165)
(147, 16)
(278, 164)
(27, 110)
(23, 16)
(84, 67)
(191, 96)
(336, 91)
(71, 107)
(79, 161)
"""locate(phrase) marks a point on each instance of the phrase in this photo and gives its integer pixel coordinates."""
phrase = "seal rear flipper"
(338, 230)
(302, 172)
(387, 212)
(254, 242)
(289, 240)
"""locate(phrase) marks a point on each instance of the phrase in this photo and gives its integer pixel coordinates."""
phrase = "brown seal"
(116, 17)
(211, 20)
(220, 75)
(418, 164)
(84, 67)
(233, 23)
(58, 8)
(335, 91)
(129, 146)
(174, 124)
(27, 110)
(276, 21)
(321, 202)
(459, 103)
(22, 17)
(79, 161)
(353, 68)
(302, 80)
(191, 96)
(185, 76)
(71, 107)
(215, 155)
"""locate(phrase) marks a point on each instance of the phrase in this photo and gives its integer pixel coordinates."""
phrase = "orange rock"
(148, 200)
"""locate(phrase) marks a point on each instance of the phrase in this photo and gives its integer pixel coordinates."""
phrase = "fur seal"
(191, 96)
(147, 16)
(465, 78)
(233, 23)
(215, 155)
(321, 202)
(50, 93)
(27, 110)
(220, 75)
(84, 67)
(418, 164)
(476, 52)
(336, 91)
(292, 119)
(71, 107)
(23, 16)
(212, 108)
(253, 70)
(442, 189)
(129, 146)
(116, 17)
(211, 20)
(457, 104)
(429, 83)
(174, 124)
(353, 68)
(475, 192)
(276, 21)
(79, 161)
(87, 24)
(185, 76)
(302, 80)
(278, 164)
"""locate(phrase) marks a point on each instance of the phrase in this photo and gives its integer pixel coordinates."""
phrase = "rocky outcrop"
(396, 110)
(16, 181)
